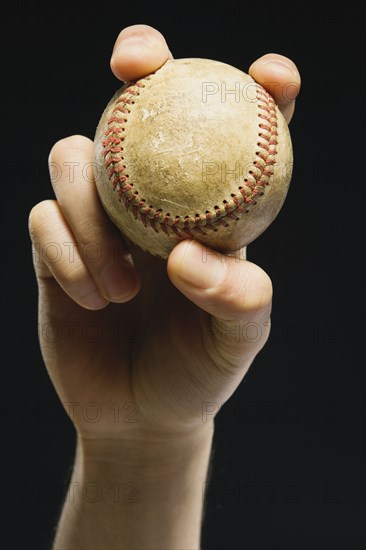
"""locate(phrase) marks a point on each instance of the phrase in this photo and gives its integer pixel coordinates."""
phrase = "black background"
(289, 463)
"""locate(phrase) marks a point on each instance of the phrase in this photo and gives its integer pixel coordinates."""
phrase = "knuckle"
(38, 216)
(248, 290)
(74, 273)
(258, 292)
(94, 231)
(264, 292)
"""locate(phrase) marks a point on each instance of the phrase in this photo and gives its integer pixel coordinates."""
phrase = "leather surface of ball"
(196, 150)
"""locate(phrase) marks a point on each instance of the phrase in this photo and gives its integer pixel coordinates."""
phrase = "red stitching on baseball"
(252, 186)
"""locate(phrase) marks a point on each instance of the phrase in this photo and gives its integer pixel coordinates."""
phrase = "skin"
(167, 349)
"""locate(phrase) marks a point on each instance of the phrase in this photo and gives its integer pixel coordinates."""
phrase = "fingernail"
(281, 65)
(94, 300)
(118, 283)
(201, 267)
(120, 46)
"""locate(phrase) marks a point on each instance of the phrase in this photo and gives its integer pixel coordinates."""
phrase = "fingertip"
(275, 61)
(139, 50)
(64, 147)
(278, 75)
(75, 142)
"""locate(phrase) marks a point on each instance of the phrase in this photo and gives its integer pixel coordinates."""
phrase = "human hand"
(136, 346)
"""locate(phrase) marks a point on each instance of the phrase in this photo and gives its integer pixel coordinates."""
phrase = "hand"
(138, 345)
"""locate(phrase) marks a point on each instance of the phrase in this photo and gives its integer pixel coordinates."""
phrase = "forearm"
(136, 497)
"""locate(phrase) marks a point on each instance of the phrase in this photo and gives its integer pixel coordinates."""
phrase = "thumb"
(235, 292)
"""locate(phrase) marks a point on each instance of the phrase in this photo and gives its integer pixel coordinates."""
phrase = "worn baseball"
(196, 150)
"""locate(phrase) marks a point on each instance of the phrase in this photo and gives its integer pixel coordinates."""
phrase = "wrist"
(158, 482)
(145, 453)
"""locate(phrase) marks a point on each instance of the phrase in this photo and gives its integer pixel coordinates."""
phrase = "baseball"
(196, 150)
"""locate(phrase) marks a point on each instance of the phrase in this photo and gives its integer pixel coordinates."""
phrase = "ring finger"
(101, 246)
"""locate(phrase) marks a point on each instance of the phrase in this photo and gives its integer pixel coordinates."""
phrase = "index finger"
(138, 51)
